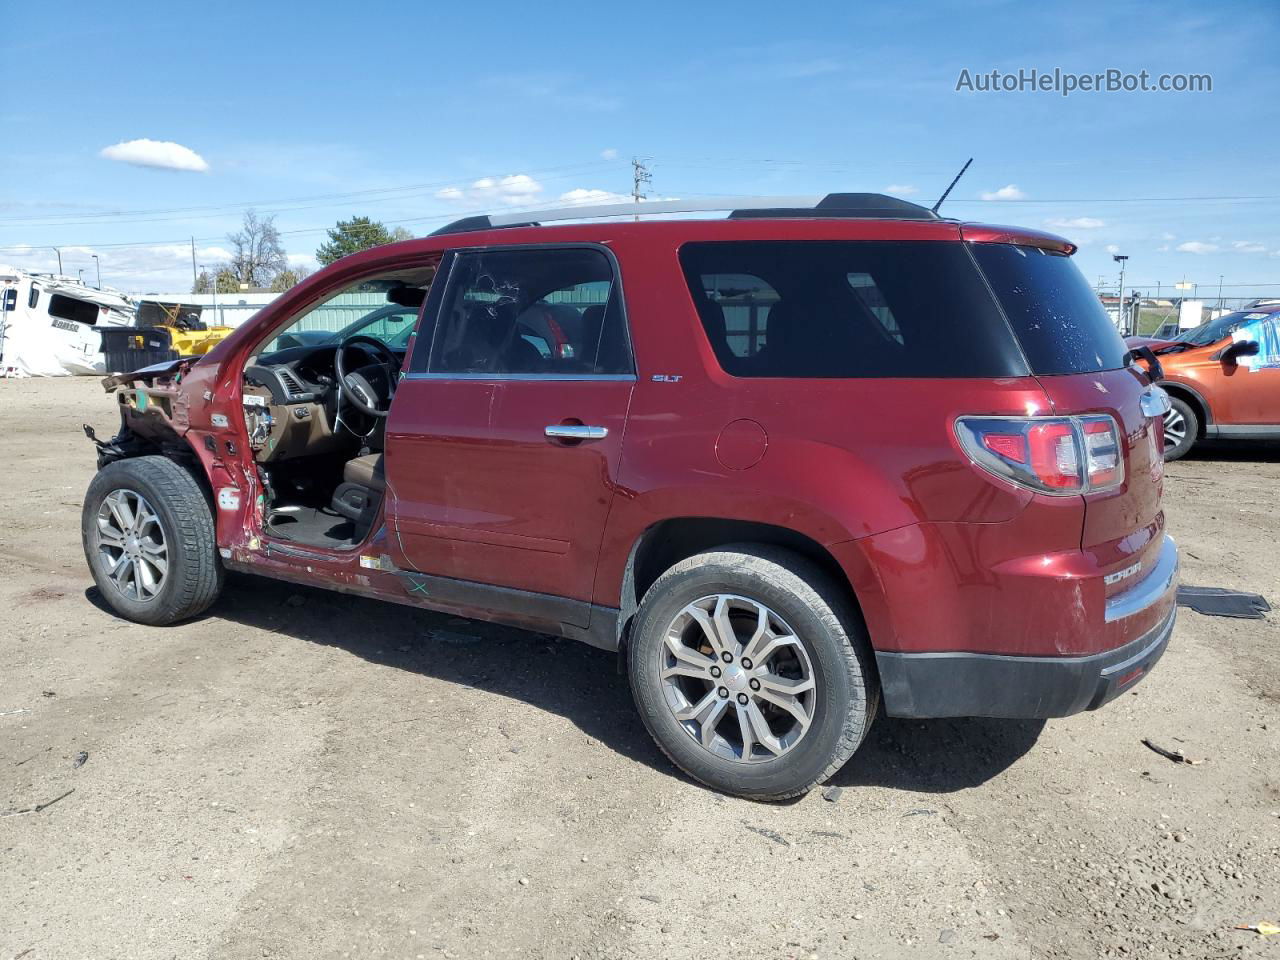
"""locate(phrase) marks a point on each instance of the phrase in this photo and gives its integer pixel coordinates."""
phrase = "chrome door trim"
(549, 377)
(564, 431)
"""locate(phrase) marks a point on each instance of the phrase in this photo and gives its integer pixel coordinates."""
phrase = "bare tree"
(257, 254)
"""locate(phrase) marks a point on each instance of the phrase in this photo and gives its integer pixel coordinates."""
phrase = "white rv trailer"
(49, 325)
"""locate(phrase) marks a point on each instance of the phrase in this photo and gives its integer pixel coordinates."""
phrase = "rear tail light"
(1054, 455)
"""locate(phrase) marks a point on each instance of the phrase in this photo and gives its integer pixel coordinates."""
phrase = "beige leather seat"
(366, 471)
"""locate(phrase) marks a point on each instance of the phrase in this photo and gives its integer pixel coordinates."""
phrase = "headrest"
(406, 296)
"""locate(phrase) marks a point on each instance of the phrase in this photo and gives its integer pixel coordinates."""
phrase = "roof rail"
(833, 205)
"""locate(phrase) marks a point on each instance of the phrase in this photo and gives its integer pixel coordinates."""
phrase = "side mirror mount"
(1232, 353)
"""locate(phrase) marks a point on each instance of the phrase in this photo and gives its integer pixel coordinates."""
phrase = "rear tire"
(811, 633)
(1181, 428)
(148, 537)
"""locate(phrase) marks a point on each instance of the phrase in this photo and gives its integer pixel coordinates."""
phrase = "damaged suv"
(789, 464)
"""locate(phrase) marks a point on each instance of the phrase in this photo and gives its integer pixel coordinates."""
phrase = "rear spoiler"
(145, 373)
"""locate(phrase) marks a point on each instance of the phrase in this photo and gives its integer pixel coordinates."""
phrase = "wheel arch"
(1194, 399)
(666, 542)
(129, 444)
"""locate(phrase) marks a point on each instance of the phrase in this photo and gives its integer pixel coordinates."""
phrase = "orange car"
(1223, 379)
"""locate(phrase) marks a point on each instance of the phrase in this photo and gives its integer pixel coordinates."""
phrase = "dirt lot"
(301, 774)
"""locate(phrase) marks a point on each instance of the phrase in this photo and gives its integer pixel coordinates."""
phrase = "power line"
(366, 196)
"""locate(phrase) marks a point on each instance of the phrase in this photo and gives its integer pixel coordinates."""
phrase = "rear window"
(803, 309)
(1055, 314)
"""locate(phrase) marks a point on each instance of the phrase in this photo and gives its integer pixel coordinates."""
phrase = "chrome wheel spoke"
(708, 723)
(710, 630)
(696, 711)
(770, 645)
(760, 729)
(790, 704)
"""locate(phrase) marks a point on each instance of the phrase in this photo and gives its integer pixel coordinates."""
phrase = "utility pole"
(195, 280)
(1219, 293)
(98, 263)
(213, 289)
(640, 175)
(1120, 258)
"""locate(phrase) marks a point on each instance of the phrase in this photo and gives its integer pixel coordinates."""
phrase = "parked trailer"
(50, 326)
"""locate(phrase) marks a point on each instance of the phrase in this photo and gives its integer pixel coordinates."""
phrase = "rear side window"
(1055, 314)
(69, 308)
(850, 309)
(554, 312)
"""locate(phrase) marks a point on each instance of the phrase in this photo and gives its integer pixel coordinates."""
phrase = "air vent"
(292, 386)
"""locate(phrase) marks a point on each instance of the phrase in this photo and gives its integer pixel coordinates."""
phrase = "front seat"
(365, 471)
(359, 495)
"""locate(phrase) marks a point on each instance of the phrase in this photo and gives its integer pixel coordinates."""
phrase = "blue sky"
(419, 112)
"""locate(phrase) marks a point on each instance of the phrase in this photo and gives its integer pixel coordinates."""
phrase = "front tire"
(1181, 427)
(148, 537)
(752, 671)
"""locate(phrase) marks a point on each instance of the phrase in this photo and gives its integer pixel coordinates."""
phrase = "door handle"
(564, 431)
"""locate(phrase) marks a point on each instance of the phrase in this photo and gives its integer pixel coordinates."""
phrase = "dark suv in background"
(789, 464)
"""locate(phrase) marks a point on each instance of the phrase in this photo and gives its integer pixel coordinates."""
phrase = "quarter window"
(550, 312)
(848, 309)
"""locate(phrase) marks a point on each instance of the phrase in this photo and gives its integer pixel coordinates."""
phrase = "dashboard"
(291, 401)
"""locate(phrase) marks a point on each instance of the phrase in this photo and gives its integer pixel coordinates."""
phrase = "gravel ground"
(301, 774)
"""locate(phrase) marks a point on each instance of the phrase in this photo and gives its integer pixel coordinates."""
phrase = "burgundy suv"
(788, 464)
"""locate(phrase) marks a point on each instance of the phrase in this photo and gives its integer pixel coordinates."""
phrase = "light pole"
(98, 263)
(80, 276)
(213, 289)
(59, 253)
(1120, 258)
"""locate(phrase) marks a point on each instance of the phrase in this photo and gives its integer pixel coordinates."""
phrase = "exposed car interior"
(316, 396)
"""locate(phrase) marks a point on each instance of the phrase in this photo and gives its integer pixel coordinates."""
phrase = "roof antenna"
(947, 192)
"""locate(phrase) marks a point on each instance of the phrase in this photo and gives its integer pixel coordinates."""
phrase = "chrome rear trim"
(1151, 589)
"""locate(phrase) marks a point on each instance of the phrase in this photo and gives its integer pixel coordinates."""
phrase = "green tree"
(289, 277)
(225, 278)
(359, 233)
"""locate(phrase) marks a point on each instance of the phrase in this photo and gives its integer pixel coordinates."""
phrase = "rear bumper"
(930, 685)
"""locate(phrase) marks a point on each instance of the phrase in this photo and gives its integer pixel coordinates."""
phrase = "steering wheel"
(356, 388)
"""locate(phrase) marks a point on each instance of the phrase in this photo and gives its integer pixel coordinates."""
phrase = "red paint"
(741, 445)
(940, 554)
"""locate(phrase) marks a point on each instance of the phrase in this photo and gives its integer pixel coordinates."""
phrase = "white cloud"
(1168, 236)
(161, 154)
(1195, 246)
(1076, 223)
(1248, 246)
(609, 154)
(1112, 248)
(513, 190)
(1010, 192)
(902, 189)
(585, 196)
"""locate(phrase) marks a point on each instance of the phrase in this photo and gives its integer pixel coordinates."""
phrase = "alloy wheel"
(737, 678)
(1175, 427)
(131, 545)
